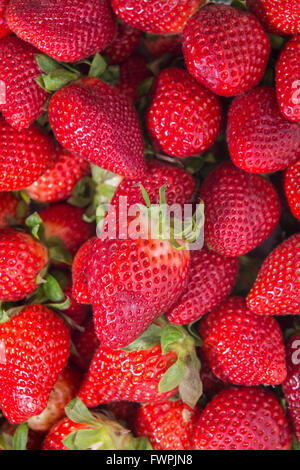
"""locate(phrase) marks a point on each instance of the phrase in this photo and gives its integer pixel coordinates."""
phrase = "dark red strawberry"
(132, 73)
(124, 412)
(35, 347)
(124, 44)
(86, 344)
(276, 290)
(161, 45)
(58, 182)
(156, 17)
(278, 16)
(291, 187)
(8, 207)
(168, 425)
(79, 274)
(67, 30)
(211, 279)
(96, 120)
(244, 418)
(77, 312)
(288, 80)
(241, 347)
(260, 139)
(4, 31)
(291, 385)
(22, 258)
(210, 382)
(24, 155)
(241, 210)
(237, 61)
(184, 118)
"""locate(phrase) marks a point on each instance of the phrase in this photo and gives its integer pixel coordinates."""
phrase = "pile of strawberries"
(128, 343)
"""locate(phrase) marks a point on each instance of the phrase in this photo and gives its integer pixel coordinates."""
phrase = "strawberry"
(64, 390)
(22, 258)
(291, 187)
(86, 344)
(288, 80)
(184, 118)
(211, 383)
(132, 73)
(79, 267)
(168, 425)
(24, 97)
(160, 45)
(243, 419)
(24, 156)
(158, 17)
(66, 222)
(124, 412)
(259, 138)
(151, 369)
(123, 46)
(34, 351)
(278, 16)
(67, 30)
(237, 61)
(241, 210)
(290, 386)
(58, 182)
(83, 430)
(96, 120)
(243, 348)
(276, 290)
(211, 279)
(8, 207)
(4, 31)
(76, 312)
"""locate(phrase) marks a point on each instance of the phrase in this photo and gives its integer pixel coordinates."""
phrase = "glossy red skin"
(168, 425)
(8, 206)
(184, 118)
(241, 49)
(115, 375)
(59, 432)
(156, 17)
(291, 385)
(291, 187)
(276, 289)
(80, 286)
(278, 16)
(96, 120)
(211, 279)
(132, 73)
(4, 31)
(244, 418)
(66, 222)
(164, 45)
(24, 98)
(67, 30)
(86, 344)
(241, 210)
(58, 182)
(24, 156)
(241, 347)
(288, 80)
(22, 258)
(131, 282)
(260, 139)
(35, 350)
(123, 45)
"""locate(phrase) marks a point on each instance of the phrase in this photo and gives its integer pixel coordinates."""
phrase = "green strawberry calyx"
(16, 442)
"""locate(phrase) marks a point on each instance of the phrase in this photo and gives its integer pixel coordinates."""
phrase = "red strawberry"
(237, 61)
(132, 73)
(211, 279)
(184, 117)
(288, 80)
(243, 348)
(24, 99)
(243, 419)
(86, 344)
(291, 385)
(124, 44)
(80, 283)
(66, 222)
(96, 120)
(161, 45)
(64, 390)
(291, 187)
(34, 350)
(278, 16)
(210, 382)
(67, 30)
(58, 182)
(24, 155)
(260, 139)
(8, 206)
(22, 258)
(168, 425)
(276, 290)
(76, 312)
(156, 17)
(4, 31)
(241, 210)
